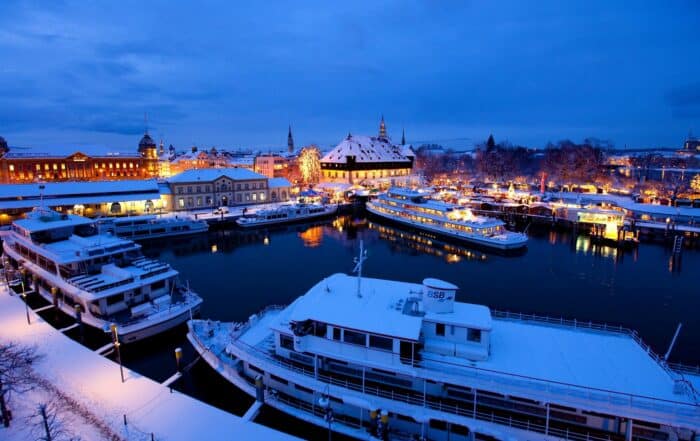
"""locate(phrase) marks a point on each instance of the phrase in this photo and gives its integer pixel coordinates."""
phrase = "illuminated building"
(367, 159)
(272, 165)
(18, 167)
(216, 187)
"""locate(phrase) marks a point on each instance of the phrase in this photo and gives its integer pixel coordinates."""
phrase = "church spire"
(290, 140)
(382, 128)
(403, 136)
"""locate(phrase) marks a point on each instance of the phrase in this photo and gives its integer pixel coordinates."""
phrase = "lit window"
(262, 196)
(181, 202)
(12, 167)
(63, 166)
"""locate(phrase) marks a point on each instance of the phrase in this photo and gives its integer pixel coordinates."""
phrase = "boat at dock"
(150, 226)
(417, 210)
(286, 214)
(396, 360)
(99, 278)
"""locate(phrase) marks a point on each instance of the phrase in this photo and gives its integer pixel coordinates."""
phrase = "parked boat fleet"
(372, 357)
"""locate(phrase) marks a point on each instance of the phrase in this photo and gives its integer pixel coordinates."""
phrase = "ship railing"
(240, 328)
(496, 380)
(430, 402)
(676, 375)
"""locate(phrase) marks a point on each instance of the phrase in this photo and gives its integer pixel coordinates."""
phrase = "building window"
(474, 335)
(199, 189)
(238, 186)
(238, 197)
(180, 190)
(247, 197)
(190, 202)
(246, 186)
(440, 329)
(189, 189)
(336, 333)
(207, 188)
(12, 167)
(262, 196)
(255, 196)
(199, 201)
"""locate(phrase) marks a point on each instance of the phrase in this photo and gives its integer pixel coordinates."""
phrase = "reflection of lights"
(266, 241)
(214, 248)
(453, 258)
(312, 237)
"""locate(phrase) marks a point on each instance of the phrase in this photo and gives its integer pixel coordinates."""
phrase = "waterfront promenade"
(93, 383)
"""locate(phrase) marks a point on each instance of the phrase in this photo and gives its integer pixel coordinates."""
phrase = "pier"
(139, 408)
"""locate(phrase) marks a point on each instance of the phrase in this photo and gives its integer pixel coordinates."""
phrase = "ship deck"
(573, 357)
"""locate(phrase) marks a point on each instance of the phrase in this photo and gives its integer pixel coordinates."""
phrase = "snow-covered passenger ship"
(150, 226)
(415, 209)
(398, 360)
(72, 265)
(286, 214)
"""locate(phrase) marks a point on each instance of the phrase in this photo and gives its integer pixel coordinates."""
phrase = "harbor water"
(560, 275)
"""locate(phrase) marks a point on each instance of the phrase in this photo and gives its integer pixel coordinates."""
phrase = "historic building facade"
(16, 167)
(216, 187)
(367, 159)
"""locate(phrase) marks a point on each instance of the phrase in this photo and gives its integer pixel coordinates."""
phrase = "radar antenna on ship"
(358, 267)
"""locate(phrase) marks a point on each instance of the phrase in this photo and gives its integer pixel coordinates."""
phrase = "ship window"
(111, 300)
(157, 285)
(378, 342)
(474, 335)
(440, 329)
(286, 342)
(336, 334)
(320, 329)
(355, 338)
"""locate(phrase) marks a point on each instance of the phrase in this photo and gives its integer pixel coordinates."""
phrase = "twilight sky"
(76, 73)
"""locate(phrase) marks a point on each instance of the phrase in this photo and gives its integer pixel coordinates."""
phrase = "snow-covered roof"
(278, 182)
(55, 189)
(212, 174)
(380, 309)
(365, 149)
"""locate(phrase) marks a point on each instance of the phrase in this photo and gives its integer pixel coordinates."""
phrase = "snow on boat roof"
(212, 174)
(380, 310)
(50, 221)
(365, 149)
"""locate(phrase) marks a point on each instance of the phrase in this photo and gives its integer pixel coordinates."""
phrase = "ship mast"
(358, 267)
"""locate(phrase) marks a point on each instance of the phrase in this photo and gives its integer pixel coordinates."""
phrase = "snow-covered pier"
(150, 410)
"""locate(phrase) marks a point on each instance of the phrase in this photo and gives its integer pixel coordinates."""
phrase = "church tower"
(382, 128)
(403, 136)
(290, 141)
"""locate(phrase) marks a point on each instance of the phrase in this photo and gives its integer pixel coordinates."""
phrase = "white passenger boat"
(150, 226)
(72, 265)
(286, 214)
(417, 210)
(396, 360)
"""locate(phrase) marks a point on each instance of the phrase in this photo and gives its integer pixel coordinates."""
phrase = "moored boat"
(101, 278)
(397, 360)
(286, 214)
(417, 210)
(150, 226)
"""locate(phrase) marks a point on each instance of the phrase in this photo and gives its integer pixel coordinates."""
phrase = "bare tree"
(15, 374)
(48, 424)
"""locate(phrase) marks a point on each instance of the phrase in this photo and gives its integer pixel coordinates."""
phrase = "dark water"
(239, 272)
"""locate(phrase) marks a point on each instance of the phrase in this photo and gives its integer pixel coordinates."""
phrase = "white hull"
(471, 238)
(149, 326)
(256, 222)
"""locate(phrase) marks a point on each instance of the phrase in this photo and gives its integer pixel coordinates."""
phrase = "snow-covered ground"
(88, 389)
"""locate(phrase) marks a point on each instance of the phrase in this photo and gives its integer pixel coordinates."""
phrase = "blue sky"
(77, 73)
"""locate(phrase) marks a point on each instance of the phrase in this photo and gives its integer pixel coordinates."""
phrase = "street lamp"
(23, 272)
(115, 340)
